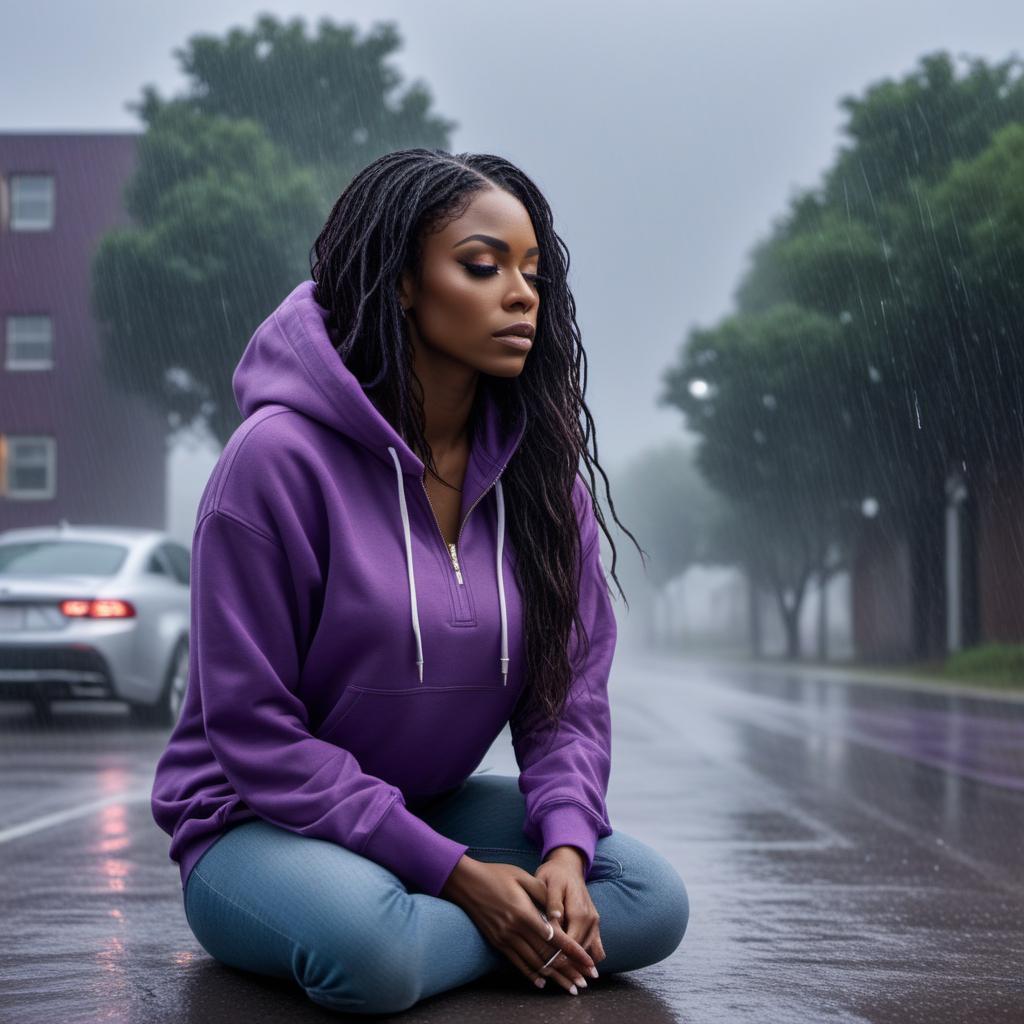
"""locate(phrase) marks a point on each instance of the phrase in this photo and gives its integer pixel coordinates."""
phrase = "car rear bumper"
(55, 673)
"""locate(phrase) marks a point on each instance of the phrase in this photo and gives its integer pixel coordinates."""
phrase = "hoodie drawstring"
(412, 579)
(408, 562)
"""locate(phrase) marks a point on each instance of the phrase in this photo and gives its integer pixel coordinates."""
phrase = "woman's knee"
(372, 968)
(363, 988)
(668, 903)
(677, 908)
(664, 903)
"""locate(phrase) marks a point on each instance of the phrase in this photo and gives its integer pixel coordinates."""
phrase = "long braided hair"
(376, 231)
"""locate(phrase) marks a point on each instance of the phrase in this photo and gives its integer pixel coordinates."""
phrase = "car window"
(61, 558)
(157, 564)
(180, 561)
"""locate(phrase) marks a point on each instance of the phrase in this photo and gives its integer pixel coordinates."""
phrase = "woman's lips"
(515, 340)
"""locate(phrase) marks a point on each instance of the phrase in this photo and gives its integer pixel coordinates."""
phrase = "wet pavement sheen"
(852, 852)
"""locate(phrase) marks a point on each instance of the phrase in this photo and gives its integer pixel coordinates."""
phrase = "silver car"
(95, 612)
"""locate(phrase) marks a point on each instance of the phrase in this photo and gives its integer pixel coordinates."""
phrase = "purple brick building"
(71, 445)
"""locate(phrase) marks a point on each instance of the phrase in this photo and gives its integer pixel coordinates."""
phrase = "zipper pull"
(455, 562)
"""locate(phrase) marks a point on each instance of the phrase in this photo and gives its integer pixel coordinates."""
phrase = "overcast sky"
(666, 136)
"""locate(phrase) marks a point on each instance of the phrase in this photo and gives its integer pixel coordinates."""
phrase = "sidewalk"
(842, 673)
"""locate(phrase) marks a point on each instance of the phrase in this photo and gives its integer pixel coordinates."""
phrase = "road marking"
(60, 817)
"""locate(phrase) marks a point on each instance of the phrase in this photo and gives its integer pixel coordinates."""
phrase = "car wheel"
(167, 709)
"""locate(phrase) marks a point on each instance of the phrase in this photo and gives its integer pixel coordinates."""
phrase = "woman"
(394, 541)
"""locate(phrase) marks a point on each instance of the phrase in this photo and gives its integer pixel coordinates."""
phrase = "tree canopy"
(874, 343)
(234, 180)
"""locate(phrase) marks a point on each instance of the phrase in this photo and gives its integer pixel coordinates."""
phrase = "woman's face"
(473, 288)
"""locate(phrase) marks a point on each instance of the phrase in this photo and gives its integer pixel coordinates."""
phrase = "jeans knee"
(364, 987)
(385, 1003)
(396, 992)
(670, 905)
(682, 900)
(374, 972)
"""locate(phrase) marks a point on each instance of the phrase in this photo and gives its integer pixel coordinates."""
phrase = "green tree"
(234, 181)
(222, 225)
(876, 246)
(331, 101)
(910, 132)
(771, 397)
(901, 244)
(963, 270)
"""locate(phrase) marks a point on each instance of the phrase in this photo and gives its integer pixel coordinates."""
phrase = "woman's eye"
(487, 269)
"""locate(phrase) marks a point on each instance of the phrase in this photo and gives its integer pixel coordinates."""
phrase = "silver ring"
(551, 930)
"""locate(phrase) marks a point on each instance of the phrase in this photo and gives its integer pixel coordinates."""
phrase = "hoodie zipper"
(453, 552)
(455, 562)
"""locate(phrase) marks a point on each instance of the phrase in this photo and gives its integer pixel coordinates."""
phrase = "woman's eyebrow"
(497, 243)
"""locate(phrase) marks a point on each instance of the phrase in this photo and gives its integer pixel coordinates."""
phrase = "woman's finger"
(578, 956)
(523, 966)
(561, 968)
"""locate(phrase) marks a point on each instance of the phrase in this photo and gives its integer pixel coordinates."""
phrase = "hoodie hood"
(291, 361)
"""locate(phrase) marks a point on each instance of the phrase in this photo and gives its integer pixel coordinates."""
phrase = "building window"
(28, 467)
(29, 343)
(32, 202)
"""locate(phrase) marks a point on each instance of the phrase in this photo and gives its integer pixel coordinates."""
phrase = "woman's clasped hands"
(515, 911)
(571, 912)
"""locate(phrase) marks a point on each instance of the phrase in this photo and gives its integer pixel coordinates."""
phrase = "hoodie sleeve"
(564, 777)
(245, 624)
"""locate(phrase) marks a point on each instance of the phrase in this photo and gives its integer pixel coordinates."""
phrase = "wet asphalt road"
(852, 853)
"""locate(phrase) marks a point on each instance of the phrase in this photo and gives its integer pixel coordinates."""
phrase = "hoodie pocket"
(337, 713)
(424, 739)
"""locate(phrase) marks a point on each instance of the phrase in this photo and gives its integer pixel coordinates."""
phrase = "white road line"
(59, 817)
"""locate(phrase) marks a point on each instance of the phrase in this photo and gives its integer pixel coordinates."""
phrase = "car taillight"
(105, 608)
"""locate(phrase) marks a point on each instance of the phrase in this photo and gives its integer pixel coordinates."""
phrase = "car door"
(162, 618)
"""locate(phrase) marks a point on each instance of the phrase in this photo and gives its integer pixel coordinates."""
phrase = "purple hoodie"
(345, 664)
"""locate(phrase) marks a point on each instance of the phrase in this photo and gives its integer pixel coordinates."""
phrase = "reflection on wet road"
(852, 853)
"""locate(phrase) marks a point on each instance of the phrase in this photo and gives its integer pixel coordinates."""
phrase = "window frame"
(32, 224)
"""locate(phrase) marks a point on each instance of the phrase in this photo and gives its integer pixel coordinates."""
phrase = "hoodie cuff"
(408, 846)
(569, 825)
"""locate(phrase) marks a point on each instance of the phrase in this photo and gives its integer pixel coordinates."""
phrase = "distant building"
(71, 445)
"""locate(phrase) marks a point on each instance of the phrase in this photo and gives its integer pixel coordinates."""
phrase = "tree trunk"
(822, 617)
(971, 624)
(791, 620)
(753, 617)
(928, 579)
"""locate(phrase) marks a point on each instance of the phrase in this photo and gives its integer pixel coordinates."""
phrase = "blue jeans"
(269, 900)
